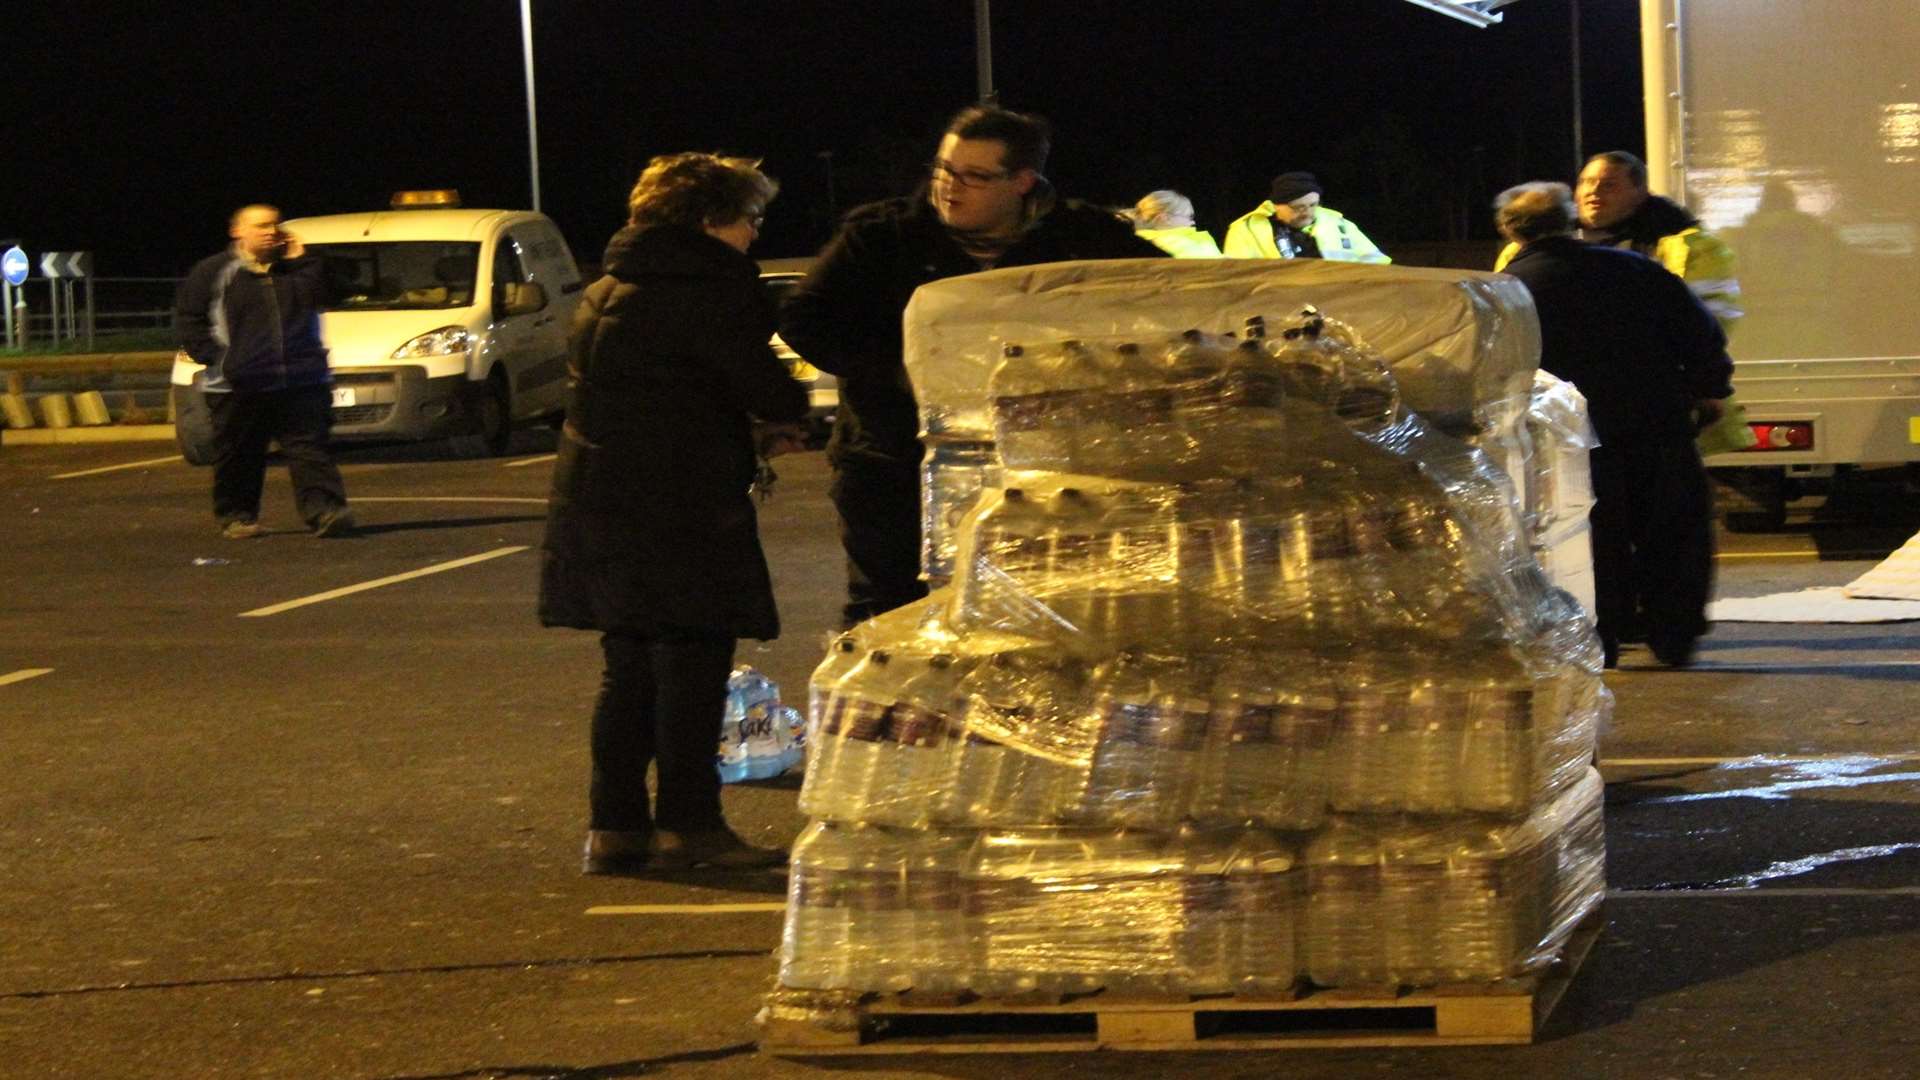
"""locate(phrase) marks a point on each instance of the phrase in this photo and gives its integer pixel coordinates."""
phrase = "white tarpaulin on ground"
(1829, 604)
(1898, 578)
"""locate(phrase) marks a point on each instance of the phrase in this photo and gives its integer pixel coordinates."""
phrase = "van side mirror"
(519, 298)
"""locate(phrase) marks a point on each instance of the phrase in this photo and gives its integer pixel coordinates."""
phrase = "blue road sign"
(14, 265)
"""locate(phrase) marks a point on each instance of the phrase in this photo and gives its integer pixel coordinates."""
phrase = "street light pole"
(533, 130)
(983, 49)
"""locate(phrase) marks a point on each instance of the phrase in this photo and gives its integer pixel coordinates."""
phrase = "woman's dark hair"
(1028, 138)
(695, 190)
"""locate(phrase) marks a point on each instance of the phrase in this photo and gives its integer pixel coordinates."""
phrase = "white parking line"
(1756, 760)
(24, 674)
(528, 461)
(687, 909)
(117, 468)
(335, 594)
(1754, 894)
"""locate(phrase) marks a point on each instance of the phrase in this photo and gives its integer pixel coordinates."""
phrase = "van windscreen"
(400, 275)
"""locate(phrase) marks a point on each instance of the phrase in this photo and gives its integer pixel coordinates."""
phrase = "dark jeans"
(245, 422)
(661, 701)
(1652, 543)
(879, 506)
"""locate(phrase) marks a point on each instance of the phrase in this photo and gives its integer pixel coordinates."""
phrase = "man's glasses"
(943, 172)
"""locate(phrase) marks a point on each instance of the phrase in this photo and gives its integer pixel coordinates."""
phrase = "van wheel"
(192, 424)
(491, 409)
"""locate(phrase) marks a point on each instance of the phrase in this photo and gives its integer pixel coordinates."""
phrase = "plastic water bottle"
(1205, 606)
(1148, 442)
(1365, 768)
(1002, 559)
(880, 931)
(1499, 740)
(1413, 873)
(1264, 913)
(1077, 553)
(1138, 586)
(1344, 941)
(1253, 433)
(1438, 705)
(1028, 399)
(1011, 765)
(749, 744)
(1125, 705)
(1192, 368)
(1092, 412)
(852, 749)
(1265, 758)
(815, 950)
(1209, 930)
(941, 956)
(1130, 920)
(953, 476)
(921, 726)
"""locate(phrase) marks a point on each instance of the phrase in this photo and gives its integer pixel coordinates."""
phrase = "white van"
(447, 322)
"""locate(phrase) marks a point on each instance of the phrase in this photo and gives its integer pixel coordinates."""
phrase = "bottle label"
(1259, 894)
(856, 718)
(858, 890)
(1339, 879)
(1131, 722)
(915, 726)
(1020, 413)
(1246, 388)
(934, 890)
(1306, 721)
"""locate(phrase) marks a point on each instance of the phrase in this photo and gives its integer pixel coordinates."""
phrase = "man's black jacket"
(845, 317)
(254, 331)
(1630, 335)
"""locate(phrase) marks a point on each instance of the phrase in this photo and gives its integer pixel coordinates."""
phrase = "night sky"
(133, 130)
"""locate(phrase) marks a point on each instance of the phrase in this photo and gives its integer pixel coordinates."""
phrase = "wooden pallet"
(1469, 1015)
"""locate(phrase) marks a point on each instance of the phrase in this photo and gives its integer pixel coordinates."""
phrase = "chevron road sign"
(66, 264)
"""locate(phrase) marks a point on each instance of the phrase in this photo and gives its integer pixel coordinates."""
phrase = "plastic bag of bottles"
(759, 737)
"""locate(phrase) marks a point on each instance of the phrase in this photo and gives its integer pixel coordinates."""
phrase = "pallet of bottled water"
(1245, 679)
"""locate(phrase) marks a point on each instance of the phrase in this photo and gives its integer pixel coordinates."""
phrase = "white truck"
(449, 322)
(1793, 131)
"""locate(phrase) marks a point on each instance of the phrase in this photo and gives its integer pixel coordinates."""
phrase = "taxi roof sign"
(438, 198)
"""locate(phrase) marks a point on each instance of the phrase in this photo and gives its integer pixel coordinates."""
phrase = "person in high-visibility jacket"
(1165, 219)
(1617, 210)
(1293, 225)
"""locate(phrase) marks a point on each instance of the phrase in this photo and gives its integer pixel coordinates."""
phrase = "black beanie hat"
(1289, 186)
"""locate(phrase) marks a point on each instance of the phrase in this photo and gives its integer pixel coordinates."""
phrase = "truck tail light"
(1797, 435)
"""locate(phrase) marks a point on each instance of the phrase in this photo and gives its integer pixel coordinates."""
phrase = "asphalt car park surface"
(340, 838)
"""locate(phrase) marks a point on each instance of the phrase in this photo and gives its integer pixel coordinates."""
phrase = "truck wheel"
(192, 424)
(491, 411)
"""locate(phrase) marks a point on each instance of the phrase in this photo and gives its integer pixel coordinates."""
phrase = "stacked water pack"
(1246, 675)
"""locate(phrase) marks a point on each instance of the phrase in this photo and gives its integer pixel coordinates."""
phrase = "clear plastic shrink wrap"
(1246, 674)
(1363, 901)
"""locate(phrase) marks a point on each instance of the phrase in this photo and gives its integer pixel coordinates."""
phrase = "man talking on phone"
(251, 315)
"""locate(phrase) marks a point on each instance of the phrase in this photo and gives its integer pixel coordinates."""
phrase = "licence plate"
(342, 396)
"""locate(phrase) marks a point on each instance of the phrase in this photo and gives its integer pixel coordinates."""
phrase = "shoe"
(242, 529)
(614, 853)
(718, 849)
(335, 522)
(1674, 653)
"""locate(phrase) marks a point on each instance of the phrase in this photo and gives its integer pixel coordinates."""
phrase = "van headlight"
(446, 341)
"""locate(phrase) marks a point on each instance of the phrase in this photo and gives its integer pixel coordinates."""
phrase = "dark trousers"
(661, 701)
(1652, 543)
(245, 422)
(879, 506)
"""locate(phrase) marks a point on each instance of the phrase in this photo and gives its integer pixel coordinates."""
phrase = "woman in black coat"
(651, 535)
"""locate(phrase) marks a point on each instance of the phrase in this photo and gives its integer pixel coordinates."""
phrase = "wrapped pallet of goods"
(1241, 676)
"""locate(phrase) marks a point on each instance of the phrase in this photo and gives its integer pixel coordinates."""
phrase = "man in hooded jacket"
(987, 204)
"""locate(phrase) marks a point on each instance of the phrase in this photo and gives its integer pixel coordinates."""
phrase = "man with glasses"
(1293, 225)
(986, 204)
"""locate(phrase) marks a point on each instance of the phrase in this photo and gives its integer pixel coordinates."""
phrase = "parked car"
(448, 322)
(782, 276)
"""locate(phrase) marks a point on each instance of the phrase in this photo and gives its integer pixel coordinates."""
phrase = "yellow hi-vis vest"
(1251, 237)
(1698, 258)
(1185, 242)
